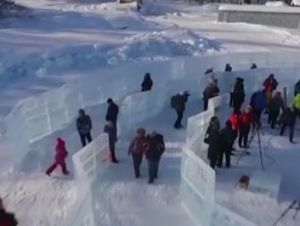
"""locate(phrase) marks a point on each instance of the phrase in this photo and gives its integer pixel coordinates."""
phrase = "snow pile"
(37, 200)
(144, 46)
(165, 44)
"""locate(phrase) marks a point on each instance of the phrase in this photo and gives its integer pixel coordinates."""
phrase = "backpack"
(173, 102)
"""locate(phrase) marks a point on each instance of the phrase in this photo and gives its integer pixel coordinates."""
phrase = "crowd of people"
(242, 121)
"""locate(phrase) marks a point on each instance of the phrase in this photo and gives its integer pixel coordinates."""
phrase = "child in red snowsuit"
(60, 156)
(235, 123)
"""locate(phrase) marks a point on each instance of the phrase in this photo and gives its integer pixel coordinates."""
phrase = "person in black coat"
(147, 83)
(6, 218)
(228, 68)
(238, 94)
(276, 104)
(112, 112)
(84, 127)
(154, 153)
(178, 103)
(215, 144)
(288, 119)
(228, 137)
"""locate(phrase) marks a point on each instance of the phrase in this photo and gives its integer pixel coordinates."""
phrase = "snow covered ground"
(61, 41)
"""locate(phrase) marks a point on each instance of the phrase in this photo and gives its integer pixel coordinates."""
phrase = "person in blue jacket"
(258, 102)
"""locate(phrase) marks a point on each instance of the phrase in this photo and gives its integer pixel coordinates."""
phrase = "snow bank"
(37, 200)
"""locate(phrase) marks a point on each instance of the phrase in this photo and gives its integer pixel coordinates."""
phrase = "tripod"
(257, 131)
(294, 206)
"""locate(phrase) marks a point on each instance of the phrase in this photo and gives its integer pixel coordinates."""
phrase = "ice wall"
(197, 188)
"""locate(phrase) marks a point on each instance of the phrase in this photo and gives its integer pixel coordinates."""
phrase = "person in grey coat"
(84, 127)
(276, 104)
(111, 130)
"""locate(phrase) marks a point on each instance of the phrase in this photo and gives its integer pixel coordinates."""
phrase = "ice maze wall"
(34, 118)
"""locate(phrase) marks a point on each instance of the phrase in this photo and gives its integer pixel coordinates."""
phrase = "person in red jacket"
(6, 219)
(60, 156)
(270, 84)
(245, 126)
(235, 123)
(137, 148)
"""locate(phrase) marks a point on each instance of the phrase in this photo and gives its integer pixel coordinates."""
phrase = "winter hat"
(60, 141)
(154, 133)
(141, 131)
(81, 111)
(109, 100)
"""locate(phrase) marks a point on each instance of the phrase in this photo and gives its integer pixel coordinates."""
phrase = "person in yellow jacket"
(296, 103)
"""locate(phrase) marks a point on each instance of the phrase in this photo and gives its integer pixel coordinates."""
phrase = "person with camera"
(178, 104)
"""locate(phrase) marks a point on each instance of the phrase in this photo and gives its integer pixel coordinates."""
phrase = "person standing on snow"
(112, 112)
(235, 120)
(212, 90)
(215, 144)
(84, 127)
(6, 218)
(147, 83)
(60, 157)
(270, 84)
(258, 103)
(138, 146)
(228, 68)
(296, 104)
(274, 109)
(214, 122)
(111, 130)
(288, 119)
(246, 120)
(238, 94)
(153, 154)
(297, 88)
(227, 134)
(178, 104)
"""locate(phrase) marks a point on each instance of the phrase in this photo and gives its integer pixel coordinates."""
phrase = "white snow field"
(66, 55)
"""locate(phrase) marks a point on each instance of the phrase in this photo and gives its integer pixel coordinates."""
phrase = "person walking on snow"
(238, 94)
(111, 130)
(84, 127)
(288, 119)
(270, 84)
(6, 218)
(276, 105)
(61, 154)
(246, 120)
(147, 83)
(138, 146)
(178, 104)
(153, 154)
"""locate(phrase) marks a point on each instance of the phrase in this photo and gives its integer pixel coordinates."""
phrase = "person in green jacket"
(296, 104)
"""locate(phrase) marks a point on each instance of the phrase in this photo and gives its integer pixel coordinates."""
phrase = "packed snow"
(55, 42)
